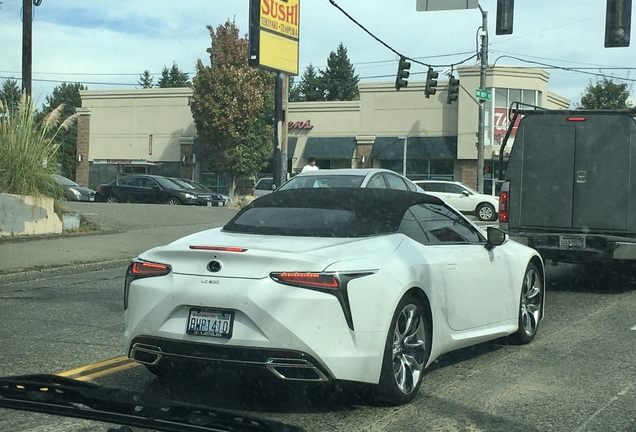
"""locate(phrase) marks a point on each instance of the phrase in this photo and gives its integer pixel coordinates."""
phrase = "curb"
(27, 275)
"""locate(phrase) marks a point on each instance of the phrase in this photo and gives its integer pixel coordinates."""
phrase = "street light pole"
(406, 139)
(482, 111)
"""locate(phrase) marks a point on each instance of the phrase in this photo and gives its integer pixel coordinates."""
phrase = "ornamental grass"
(28, 149)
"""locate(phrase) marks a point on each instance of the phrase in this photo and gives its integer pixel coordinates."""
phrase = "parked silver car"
(377, 178)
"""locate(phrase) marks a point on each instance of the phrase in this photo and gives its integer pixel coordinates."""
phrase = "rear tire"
(530, 306)
(486, 212)
(406, 352)
(111, 199)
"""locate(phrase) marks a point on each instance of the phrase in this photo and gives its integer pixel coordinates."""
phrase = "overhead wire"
(390, 48)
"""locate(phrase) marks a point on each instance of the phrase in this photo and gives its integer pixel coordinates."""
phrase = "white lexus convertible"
(365, 285)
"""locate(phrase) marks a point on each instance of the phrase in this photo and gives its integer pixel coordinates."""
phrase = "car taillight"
(252, 192)
(98, 188)
(145, 268)
(219, 248)
(142, 269)
(308, 280)
(503, 207)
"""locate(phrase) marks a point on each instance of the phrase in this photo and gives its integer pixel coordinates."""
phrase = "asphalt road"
(578, 375)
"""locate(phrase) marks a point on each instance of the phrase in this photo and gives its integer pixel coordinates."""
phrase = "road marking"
(634, 328)
(125, 366)
(88, 372)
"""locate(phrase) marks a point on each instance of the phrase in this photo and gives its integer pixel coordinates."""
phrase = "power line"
(390, 48)
(569, 69)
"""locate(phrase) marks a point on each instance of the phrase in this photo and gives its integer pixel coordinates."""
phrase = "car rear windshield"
(326, 181)
(296, 221)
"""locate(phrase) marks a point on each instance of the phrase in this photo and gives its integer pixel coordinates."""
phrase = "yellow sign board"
(274, 35)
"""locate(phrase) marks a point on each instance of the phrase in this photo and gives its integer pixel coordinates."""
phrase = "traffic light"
(618, 22)
(453, 90)
(505, 9)
(402, 74)
(431, 82)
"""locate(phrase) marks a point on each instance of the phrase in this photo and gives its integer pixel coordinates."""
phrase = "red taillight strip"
(577, 119)
(142, 268)
(219, 248)
(317, 280)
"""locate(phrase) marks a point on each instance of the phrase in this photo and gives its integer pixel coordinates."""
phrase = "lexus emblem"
(215, 266)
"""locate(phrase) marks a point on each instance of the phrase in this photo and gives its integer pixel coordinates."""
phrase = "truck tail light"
(503, 207)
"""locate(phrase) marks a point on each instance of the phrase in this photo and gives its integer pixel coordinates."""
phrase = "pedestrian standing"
(311, 165)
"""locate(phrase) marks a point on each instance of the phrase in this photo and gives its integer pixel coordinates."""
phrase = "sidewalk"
(129, 230)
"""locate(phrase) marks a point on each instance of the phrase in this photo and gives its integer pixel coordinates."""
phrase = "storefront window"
(422, 169)
(215, 182)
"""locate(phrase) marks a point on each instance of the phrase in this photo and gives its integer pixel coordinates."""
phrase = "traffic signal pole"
(482, 111)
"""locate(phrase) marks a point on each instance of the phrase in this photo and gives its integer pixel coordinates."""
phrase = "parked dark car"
(152, 189)
(73, 191)
(218, 199)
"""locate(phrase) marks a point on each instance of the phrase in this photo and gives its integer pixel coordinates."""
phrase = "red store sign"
(299, 125)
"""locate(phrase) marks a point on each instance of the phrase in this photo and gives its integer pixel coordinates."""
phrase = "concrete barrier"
(22, 215)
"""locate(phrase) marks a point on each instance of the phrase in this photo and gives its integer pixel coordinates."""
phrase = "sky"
(107, 44)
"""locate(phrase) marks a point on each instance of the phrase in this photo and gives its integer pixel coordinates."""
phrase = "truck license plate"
(571, 242)
(210, 322)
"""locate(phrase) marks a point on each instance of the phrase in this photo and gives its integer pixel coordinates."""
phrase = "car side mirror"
(465, 193)
(495, 237)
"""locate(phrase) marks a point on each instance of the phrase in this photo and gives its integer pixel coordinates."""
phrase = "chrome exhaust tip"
(146, 354)
(295, 370)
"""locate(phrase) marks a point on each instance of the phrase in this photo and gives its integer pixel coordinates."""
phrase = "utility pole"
(27, 21)
(482, 112)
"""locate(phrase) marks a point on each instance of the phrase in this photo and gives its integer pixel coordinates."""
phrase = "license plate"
(210, 322)
(220, 204)
(571, 242)
(91, 198)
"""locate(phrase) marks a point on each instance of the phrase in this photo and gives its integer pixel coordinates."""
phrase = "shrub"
(28, 149)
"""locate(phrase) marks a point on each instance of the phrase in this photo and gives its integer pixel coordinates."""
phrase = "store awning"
(392, 148)
(291, 147)
(330, 148)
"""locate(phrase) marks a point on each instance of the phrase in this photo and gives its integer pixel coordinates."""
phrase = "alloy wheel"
(409, 348)
(485, 213)
(531, 298)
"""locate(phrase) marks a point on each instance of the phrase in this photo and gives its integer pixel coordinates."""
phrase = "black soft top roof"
(373, 211)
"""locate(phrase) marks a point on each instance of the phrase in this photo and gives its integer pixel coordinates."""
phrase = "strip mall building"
(152, 130)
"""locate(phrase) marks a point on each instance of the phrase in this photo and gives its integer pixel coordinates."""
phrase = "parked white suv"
(466, 200)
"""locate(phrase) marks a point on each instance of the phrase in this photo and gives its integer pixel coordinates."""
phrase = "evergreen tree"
(67, 95)
(145, 79)
(294, 91)
(229, 103)
(311, 87)
(173, 77)
(339, 78)
(605, 94)
(10, 92)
